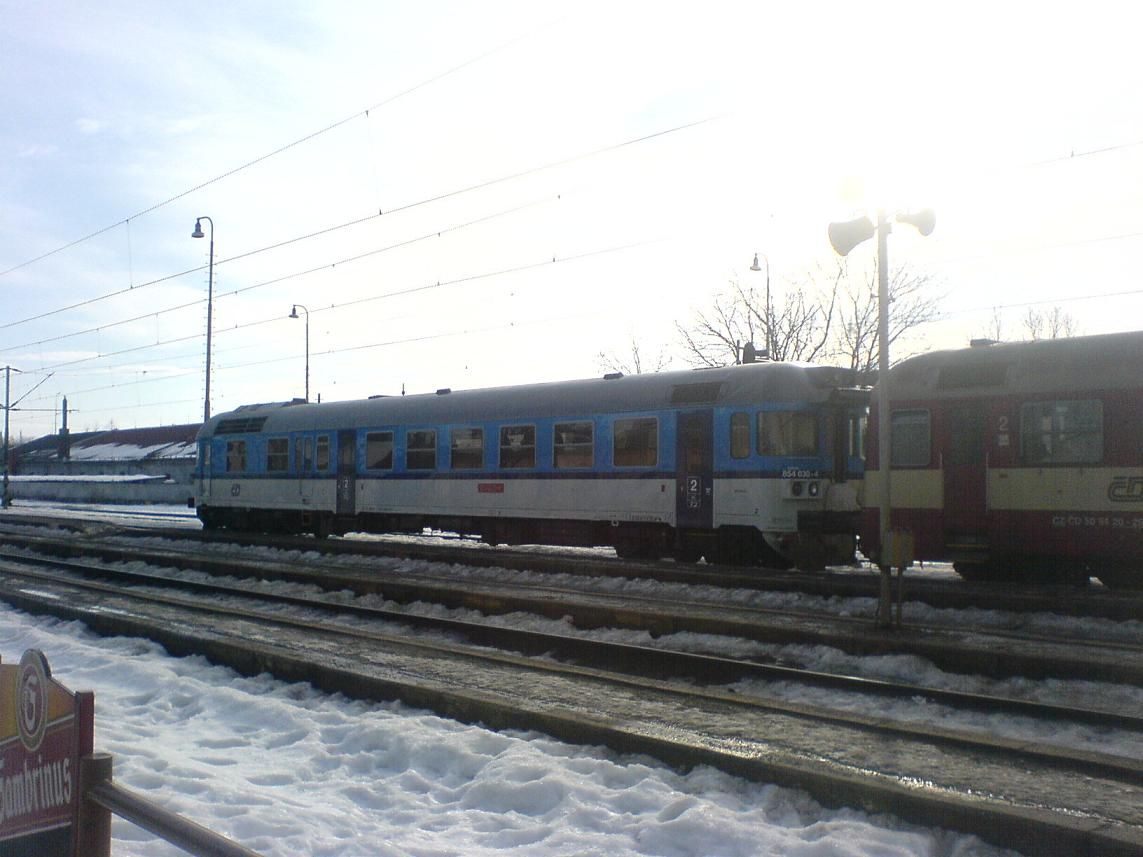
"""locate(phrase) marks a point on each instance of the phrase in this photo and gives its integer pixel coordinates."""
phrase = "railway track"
(675, 704)
(985, 650)
(1093, 602)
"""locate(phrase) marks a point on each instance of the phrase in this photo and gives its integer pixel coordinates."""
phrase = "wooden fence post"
(93, 837)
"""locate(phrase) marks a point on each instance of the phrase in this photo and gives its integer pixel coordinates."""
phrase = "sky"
(464, 195)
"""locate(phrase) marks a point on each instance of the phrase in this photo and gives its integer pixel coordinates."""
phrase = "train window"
(1061, 432)
(740, 435)
(278, 455)
(910, 439)
(235, 456)
(467, 448)
(322, 461)
(636, 442)
(787, 433)
(421, 450)
(518, 446)
(379, 450)
(573, 445)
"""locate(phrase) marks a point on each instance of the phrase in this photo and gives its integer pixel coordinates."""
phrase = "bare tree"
(831, 315)
(1053, 324)
(995, 330)
(636, 363)
(797, 328)
(911, 304)
(715, 336)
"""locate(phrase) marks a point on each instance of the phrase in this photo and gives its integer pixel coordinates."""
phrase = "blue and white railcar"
(751, 463)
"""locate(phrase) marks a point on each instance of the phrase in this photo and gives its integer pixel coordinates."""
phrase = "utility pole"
(5, 500)
(844, 236)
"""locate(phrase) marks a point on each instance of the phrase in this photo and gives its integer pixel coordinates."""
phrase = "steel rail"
(646, 661)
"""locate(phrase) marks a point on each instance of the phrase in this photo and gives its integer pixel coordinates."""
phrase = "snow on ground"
(911, 669)
(533, 751)
(289, 771)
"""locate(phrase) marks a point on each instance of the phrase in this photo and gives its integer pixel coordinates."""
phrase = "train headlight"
(815, 489)
(796, 488)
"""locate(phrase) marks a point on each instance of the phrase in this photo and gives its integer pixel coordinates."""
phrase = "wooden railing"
(101, 797)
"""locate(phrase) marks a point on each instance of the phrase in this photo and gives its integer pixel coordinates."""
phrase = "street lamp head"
(198, 229)
(294, 311)
(755, 266)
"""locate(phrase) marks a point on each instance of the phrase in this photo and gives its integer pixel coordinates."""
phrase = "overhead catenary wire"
(435, 233)
(301, 140)
(383, 213)
(479, 186)
(1040, 302)
(439, 284)
(388, 343)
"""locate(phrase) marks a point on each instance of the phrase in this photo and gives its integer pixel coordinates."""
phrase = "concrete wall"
(79, 491)
(177, 469)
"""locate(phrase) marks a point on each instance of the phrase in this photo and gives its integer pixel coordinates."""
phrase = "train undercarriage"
(741, 546)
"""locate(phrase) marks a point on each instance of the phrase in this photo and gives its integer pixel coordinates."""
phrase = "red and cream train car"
(1020, 460)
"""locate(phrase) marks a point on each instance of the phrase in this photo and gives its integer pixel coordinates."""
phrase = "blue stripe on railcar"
(725, 465)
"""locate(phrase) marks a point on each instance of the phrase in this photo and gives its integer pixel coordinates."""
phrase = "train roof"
(746, 384)
(1110, 361)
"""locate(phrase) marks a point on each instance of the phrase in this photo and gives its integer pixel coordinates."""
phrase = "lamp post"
(5, 499)
(294, 314)
(209, 307)
(844, 237)
(756, 267)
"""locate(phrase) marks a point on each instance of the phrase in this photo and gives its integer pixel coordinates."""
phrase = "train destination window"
(910, 439)
(518, 446)
(278, 455)
(421, 449)
(636, 442)
(1061, 432)
(379, 450)
(467, 448)
(573, 445)
(235, 456)
(787, 433)
(702, 393)
(323, 452)
(740, 435)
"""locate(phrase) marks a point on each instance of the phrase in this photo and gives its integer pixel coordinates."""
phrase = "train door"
(304, 467)
(346, 473)
(965, 471)
(694, 470)
(203, 471)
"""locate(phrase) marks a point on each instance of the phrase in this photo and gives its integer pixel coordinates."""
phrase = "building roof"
(160, 442)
